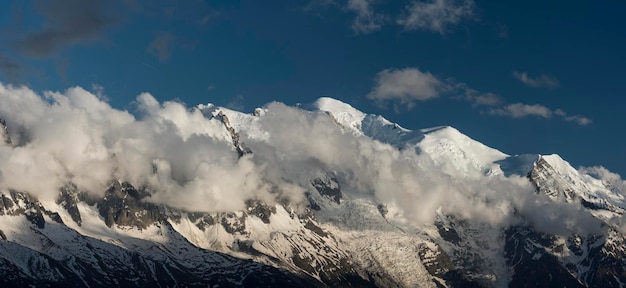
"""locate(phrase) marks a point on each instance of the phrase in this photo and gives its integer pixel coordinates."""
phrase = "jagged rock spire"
(4, 130)
(239, 145)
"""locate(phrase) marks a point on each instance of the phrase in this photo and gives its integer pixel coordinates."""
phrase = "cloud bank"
(75, 137)
(185, 158)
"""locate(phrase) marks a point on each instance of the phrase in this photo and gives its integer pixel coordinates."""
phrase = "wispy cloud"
(581, 120)
(474, 96)
(487, 99)
(410, 85)
(237, 103)
(502, 30)
(9, 68)
(162, 46)
(605, 175)
(84, 22)
(437, 15)
(366, 19)
(520, 110)
(406, 85)
(317, 7)
(537, 82)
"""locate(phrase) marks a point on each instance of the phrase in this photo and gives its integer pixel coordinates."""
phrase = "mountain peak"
(342, 113)
(335, 106)
(558, 163)
(449, 134)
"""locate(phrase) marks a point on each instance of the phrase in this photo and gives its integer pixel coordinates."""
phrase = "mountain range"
(321, 195)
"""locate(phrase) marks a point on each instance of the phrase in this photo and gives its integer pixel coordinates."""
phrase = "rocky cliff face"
(139, 250)
(164, 246)
(236, 139)
(593, 260)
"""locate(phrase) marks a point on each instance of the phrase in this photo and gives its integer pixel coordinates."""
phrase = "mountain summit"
(332, 196)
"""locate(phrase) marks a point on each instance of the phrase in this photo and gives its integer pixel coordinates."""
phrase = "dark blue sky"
(550, 74)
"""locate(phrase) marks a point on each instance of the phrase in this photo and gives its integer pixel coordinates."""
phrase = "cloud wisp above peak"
(410, 85)
(520, 110)
(407, 86)
(543, 80)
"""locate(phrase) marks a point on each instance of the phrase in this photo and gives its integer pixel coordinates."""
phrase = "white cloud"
(536, 82)
(519, 110)
(406, 85)
(436, 15)
(560, 112)
(313, 5)
(581, 120)
(475, 97)
(604, 174)
(614, 182)
(76, 137)
(366, 19)
(162, 45)
(488, 99)
(302, 144)
(502, 30)
(410, 85)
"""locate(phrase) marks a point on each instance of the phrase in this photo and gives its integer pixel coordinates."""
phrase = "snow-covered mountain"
(330, 196)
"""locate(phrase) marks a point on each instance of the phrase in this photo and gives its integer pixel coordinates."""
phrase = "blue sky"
(523, 77)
